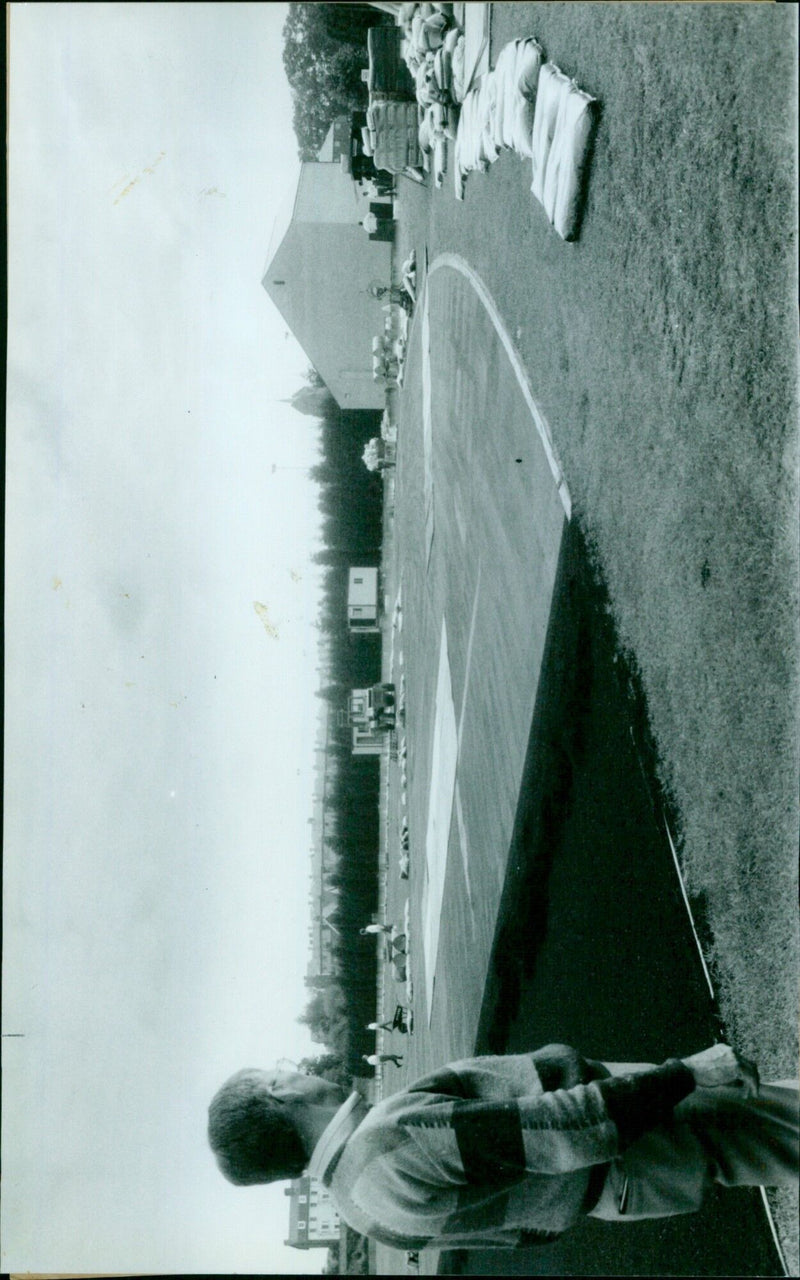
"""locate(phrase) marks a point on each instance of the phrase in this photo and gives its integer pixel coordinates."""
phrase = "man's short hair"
(252, 1133)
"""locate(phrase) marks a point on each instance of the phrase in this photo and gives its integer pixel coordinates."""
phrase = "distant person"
(377, 1059)
(376, 928)
(513, 1150)
(398, 1023)
(390, 293)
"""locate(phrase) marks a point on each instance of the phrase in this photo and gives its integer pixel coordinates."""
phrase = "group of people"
(395, 947)
(402, 1019)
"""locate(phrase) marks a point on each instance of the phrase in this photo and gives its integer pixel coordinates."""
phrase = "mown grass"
(675, 416)
(662, 348)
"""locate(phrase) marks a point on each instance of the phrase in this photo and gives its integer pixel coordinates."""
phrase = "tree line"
(324, 53)
(351, 505)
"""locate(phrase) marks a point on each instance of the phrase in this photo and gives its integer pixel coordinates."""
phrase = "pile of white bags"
(475, 147)
(562, 133)
(529, 106)
(389, 355)
(498, 113)
(431, 38)
(517, 76)
(433, 50)
(392, 135)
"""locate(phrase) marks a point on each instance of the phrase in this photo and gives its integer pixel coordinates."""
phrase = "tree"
(351, 504)
(328, 1066)
(324, 52)
(325, 1015)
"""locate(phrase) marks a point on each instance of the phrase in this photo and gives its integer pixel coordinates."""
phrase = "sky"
(159, 736)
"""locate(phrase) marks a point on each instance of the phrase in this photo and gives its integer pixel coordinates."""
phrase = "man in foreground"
(509, 1151)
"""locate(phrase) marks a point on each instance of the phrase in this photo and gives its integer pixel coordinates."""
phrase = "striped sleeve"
(550, 1133)
(637, 1103)
(469, 1142)
(489, 1138)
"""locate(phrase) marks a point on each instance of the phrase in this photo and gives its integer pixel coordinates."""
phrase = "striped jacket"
(493, 1151)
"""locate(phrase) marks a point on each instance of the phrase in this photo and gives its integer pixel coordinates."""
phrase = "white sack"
(432, 31)
(475, 148)
(503, 74)
(443, 69)
(439, 159)
(426, 133)
(458, 69)
(553, 86)
(487, 100)
(563, 184)
(530, 57)
(522, 127)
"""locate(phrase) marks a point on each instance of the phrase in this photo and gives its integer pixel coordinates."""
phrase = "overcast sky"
(159, 737)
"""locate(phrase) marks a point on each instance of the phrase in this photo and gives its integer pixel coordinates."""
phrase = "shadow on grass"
(555, 746)
(593, 945)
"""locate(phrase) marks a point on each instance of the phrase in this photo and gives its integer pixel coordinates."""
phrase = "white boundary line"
(468, 662)
(774, 1230)
(689, 911)
(457, 263)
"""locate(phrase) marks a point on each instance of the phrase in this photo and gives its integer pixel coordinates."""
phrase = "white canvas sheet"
(444, 760)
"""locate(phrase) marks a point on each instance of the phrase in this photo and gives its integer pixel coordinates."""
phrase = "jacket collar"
(333, 1138)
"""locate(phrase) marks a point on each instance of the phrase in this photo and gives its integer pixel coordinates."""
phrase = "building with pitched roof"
(319, 266)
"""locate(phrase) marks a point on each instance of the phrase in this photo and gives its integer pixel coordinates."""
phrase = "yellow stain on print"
(263, 613)
(148, 169)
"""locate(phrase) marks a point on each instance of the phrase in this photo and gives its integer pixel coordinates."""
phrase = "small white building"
(371, 713)
(367, 739)
(367, 742)
(313, 1216)
(363, 608)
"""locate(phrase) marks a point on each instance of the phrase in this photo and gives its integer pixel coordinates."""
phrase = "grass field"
(676, 418)
(662, 348)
